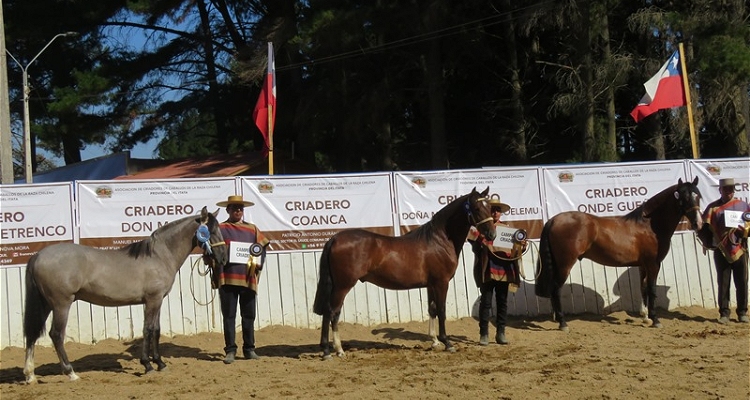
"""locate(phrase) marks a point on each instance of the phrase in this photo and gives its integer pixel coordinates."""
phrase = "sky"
(141, 150)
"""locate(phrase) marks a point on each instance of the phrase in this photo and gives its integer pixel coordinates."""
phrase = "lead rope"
(208, 271)
(537, 270)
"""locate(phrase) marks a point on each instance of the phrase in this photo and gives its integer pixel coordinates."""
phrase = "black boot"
(500, 336)
(484, 339)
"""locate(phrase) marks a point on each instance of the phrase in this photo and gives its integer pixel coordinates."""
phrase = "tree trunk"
(590, 152)
(222, 132)
(609, 146)
(433, 72)
(517, 126)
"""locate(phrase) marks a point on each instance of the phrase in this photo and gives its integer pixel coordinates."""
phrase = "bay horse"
(640, 238)
(139, 273)
(425, 257)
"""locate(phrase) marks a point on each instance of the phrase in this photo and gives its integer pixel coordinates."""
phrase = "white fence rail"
(289, 280)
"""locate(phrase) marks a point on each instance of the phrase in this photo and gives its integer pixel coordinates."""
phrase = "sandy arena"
(602, 357)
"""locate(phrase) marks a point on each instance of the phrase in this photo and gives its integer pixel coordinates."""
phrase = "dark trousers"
(724, 273)
(485, 305)
(229, 296)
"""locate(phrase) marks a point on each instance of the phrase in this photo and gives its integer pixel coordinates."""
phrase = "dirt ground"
(602, 357)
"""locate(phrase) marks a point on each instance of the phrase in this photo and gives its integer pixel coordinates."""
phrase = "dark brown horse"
(640, 238)
(425, 257)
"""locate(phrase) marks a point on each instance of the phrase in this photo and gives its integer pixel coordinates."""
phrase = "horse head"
(478, 209)
(209, 238)
(689, 199)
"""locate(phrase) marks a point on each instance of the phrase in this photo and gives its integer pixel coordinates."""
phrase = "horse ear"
(679, 181)
(485, 192)
(204, 215)
(695, 181)
(216, 213)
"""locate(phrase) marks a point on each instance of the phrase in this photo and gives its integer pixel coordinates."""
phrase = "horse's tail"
(322, 304)
(545, 265)
(36, 309)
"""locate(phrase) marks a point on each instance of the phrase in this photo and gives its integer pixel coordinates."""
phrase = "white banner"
(303, 212)
(710, 171)
(607, 190)
(113, 214)
(421, 194)
(32, 217)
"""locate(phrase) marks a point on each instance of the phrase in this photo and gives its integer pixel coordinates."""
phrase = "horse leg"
(559, 277)
(432, 310)
(648, 292)
(160, 365)
(652, 304)
(336, 338)
(337, 301)
(145, 349)
(644, 295)
(558, 314)
(325, 343)
(31, 338)
(150, 324)
(57, 334)
(28, 369)
(440, 294)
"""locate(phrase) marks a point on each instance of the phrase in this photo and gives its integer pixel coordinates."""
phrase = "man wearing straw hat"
(237, 282)
(728, 240)
(493, 274)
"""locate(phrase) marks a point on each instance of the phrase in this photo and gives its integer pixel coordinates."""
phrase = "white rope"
(196, 267)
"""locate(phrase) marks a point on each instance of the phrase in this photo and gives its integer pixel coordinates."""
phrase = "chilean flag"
(663, 90)
(265, 109)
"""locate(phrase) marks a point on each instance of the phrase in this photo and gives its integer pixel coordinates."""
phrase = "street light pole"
(26, 93)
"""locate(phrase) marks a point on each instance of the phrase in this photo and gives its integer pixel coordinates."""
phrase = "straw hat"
(496, 203)
(726, 182)
(235, 200)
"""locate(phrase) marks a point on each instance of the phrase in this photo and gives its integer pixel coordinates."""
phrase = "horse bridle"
(203, 236)
(472, 220)
(685, 211)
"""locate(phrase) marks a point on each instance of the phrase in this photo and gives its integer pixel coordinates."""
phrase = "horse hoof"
(435, 345)
(450, 349)
(656, 325)
(73, 377)
(326, 357)
(564, 329)
(31, 380)
(341, 354)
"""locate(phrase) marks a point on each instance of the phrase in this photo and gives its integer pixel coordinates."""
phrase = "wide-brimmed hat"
(496, 203)
(726, 182)
(235, 199)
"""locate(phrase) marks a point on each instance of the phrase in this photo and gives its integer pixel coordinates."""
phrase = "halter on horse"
(425, 257)
(640, 238)
(140, 273)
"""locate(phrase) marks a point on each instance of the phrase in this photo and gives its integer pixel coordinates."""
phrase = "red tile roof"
(217, 165)
(248, 163)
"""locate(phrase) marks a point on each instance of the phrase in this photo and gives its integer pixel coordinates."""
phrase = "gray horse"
(140, 273)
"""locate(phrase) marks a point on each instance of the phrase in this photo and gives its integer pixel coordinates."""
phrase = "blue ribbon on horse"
(203, 236)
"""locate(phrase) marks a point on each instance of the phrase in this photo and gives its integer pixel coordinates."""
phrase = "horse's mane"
(145, 247)
(650, 205)
(427, 230)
